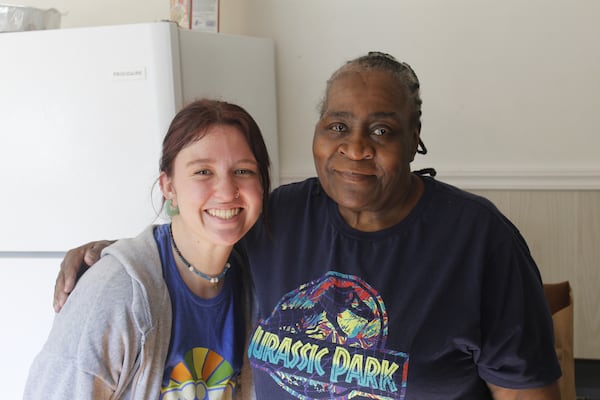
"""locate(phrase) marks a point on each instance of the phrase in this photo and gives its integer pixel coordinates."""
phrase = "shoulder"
(296, 190)
(138, 257)
(128, 270)
(136, 262)
(297, 201)
(293, 199)
(289, 205)
(446, 200)
(468, 216)
(142, 247)
(444, 193)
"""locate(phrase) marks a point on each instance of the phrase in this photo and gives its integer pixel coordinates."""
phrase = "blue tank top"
(207, 335)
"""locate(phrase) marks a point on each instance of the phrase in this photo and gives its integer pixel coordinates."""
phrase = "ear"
(415, 136)
(167, 188)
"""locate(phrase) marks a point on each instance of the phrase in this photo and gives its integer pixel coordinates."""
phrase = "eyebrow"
(212, 160)
(376, 115)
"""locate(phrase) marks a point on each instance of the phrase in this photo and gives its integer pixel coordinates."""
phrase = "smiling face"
(216, 184)
(364, 144)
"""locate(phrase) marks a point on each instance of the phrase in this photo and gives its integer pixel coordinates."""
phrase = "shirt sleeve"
(517, 348)
(93, 341)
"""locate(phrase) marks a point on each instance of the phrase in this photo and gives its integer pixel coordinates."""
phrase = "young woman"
(165, 316)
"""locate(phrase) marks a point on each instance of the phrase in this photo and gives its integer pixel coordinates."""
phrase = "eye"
(380, 131)
(244, 171)
(338, 127)
(202, 172)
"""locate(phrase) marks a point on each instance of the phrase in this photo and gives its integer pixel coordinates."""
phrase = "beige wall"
(79, 13)
(563, 232)
(510, 94)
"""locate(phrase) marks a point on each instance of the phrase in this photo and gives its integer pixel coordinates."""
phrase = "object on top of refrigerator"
(20, 18)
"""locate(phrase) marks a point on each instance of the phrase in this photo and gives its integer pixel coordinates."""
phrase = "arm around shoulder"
(73, 266)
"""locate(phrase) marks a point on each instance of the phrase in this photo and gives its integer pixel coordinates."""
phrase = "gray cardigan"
(110, 340)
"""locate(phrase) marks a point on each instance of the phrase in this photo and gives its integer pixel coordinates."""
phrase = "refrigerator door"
(82, 115)
(27, 285)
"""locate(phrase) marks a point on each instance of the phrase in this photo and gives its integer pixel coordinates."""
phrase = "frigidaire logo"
(137, 73)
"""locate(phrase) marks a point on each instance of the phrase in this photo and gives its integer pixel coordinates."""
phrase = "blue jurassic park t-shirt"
(432, 308)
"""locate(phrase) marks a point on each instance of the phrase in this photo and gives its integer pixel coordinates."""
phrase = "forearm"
(550, 392)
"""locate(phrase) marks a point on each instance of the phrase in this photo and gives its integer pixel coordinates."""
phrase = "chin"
(227, 239)
(226, 243)
(358, 203)
(350, 194)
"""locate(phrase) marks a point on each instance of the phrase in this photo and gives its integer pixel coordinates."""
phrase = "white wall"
(510, 88)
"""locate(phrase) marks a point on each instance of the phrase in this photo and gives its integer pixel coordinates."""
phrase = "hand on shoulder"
(73, 265)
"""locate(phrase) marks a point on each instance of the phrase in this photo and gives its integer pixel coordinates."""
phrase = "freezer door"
(82, 115)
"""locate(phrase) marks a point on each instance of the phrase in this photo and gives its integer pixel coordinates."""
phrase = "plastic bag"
(18, 18)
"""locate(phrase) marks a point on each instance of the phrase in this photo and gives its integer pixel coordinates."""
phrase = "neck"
(203, 267)
(388, 215)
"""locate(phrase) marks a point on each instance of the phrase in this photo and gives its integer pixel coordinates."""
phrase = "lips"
(354, 175)
(224, 214)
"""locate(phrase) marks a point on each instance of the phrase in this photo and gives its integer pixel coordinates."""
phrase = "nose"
(227, 189)
(356, 147)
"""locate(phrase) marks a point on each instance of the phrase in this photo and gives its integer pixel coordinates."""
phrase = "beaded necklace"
(212, 279)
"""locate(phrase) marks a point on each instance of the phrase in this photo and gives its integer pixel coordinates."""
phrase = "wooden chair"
(560, 302)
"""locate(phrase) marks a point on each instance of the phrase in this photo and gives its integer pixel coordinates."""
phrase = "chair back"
(560, 302)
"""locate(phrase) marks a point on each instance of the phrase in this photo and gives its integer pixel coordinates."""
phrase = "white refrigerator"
(82, 115)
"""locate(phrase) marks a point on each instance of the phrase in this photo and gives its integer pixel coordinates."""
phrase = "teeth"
(224, 214)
